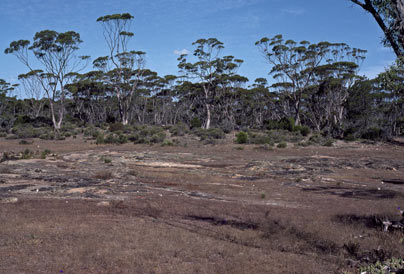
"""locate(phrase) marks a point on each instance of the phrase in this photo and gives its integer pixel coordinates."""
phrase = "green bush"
(259, 139)
(284, 123)
(282, 145)
(25, 142)
(241, 137)
(100, 139)
(167, 143)
(179, 129)
(212, 133)
(372, 134)
(195, 123)
(328, 143)
(3, 134)
(304, 130)
(116, 127)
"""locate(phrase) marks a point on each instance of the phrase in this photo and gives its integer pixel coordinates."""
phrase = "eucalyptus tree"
(123, 67)
(56, 53)
(31, 84)
(209, 70)
(390, 83)
(90, 98)
(297, 67)
(389, 15)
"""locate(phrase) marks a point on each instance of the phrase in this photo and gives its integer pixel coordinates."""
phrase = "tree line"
(314, 85)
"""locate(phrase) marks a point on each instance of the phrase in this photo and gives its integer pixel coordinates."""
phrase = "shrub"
(282, 145)
(100, 139)
(259, 139)
(241, 137)
(284, 123)
(45, 153)
(27, 154)
(158, 137)
(179, 129)
(372, 134)
(3, 134)
(212, 133)
(304, 130)
(328, 143)
(195, 123)
(116, 127)
(25, 142)
(167, 143)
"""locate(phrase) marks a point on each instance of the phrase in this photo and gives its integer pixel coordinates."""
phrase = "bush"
(259, 139)
(25, 142)
(328, 143)
(282, 145)
(284, 123)
(179, 129)
(212, 133)
(167, 143)
(3, 134)
(116, 127)
(241, 137)
(147, 135)
(304, 130)
(372, 134)
(195, 123)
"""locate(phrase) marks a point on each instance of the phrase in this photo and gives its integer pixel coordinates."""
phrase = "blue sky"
(165, 27)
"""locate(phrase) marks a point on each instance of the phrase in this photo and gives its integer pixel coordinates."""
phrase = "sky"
(166, 28)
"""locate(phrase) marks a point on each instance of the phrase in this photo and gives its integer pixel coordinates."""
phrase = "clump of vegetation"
(107, 160)
(25, 142)
(195, 123)
(209, 134)
(179, 129)
(45, 153)
(114, 127)
(167, 143)
(263, 195)
(282, 145)
(27, 154)
(3, 134)
(241, 137)
(328, 143)
(380, 267)
(148, 135)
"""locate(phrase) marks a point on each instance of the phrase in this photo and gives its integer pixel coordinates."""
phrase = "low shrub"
(241, 137)
(195, 123)
(212, 133)
(25, 142)
(3, 134)
(179, 129)
(116, 127)
(328, 143)
(282, 145)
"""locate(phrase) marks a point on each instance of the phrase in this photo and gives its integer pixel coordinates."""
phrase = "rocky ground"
(221, 208)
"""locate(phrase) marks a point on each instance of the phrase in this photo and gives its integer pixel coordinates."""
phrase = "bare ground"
(198, 209)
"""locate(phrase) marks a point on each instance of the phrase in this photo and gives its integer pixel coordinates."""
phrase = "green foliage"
(304, 130)
(45, 153)
(328, 143)
(380, 267)
(27, 154)
(116, 127)
(241, 137)
(167, 143)
(179, 129)
(25, 142)
(372, 134)
(284, 123)
(282, 145)
(3, 134)
(206, 134)
(147, 135)
(196, 123)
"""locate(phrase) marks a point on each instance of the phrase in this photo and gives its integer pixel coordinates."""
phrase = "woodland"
(316, 87)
